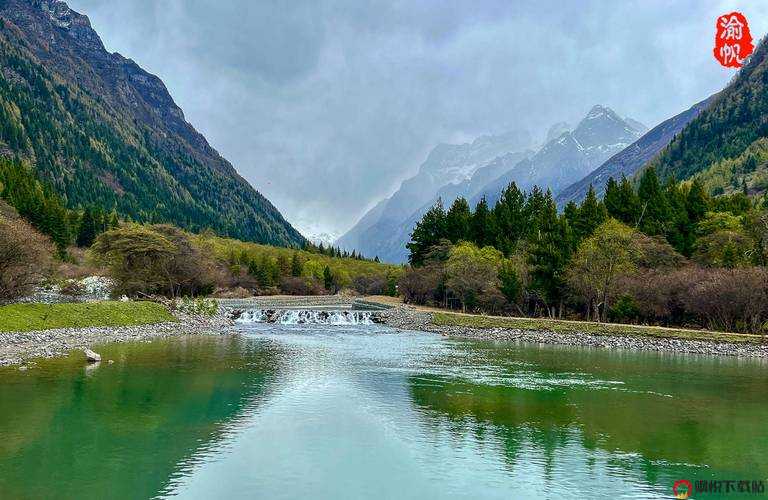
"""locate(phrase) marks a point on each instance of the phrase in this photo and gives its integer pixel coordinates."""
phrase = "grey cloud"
(325, 106)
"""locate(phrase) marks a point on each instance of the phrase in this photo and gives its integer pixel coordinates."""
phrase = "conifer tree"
(550, 251)
(296, 266)
(87, 232)
(328, 278)
(621, 201)
(481, 231)
(427, 233)
(655, 210)
(590, 215)
(510, 221)
(458, 221)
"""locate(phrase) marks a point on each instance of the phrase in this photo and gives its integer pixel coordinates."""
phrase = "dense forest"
(729, 136)
(158, 259)
(651, 252)
(71, 124)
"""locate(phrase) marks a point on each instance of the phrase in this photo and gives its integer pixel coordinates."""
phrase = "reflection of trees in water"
(668, 415)
(126, 428)
(517, 420)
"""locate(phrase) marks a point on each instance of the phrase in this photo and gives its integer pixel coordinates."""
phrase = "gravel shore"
(17, 348)
(409, 318)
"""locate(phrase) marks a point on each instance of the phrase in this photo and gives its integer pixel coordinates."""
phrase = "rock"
(91, 356)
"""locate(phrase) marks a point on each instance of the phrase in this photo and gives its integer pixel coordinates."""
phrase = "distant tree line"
(597, 259)
(332, 251)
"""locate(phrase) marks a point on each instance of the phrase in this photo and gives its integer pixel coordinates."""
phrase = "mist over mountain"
(386, 229)
(598, 136)
(446, 164)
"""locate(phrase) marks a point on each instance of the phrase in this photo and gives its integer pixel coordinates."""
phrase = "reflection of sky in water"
(365, 412)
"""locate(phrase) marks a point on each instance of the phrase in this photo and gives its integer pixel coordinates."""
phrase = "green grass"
(29, 317)
(560, 326)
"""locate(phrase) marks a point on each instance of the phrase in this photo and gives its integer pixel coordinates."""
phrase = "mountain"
(393, 249)
(631, 159)
(103, 131)
(725, 142)
(569, 157)
(446, 164)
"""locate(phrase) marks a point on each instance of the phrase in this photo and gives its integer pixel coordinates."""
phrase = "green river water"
(357, 411)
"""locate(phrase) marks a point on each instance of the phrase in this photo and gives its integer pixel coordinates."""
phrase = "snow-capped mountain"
(569, 157)
(629, 160)
(446, 164)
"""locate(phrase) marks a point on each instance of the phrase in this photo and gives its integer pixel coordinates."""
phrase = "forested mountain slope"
(104, 132)
(720, 135)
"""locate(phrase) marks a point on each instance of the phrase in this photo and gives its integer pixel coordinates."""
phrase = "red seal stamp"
(733, 41)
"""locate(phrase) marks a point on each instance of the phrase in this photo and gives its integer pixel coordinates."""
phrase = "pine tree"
(427, 233)
(458, 220)
(696, 202)
(679, 230)
(481, 230)
(550, 251)
(510, 219)
(655, 211)
(296, 266)
(328, 278)
(87, 232)
(590, 215)
(621, 201)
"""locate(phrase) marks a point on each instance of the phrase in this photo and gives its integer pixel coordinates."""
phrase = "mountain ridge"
(103, 131)
(631, 159)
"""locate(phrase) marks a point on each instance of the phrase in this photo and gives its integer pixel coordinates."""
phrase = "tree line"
(42, 207)
(524, 256)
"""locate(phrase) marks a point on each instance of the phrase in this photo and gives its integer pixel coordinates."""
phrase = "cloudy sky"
(325, 106)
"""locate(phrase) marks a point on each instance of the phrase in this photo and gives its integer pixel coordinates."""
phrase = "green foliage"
(31, 317)
(600, 259)
(472, 272)
(427, 233)
(457, 221)
(198, 306)
(36, 202)
(655, 212)
(161, 259)
(94, 149)
(550, 250)
(271, 265)
(621, 201)
(734, 121)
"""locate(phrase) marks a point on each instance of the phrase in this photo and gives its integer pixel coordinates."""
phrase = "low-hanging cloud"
(325, 106)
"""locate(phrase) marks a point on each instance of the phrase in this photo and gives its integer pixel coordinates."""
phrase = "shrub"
(292, 285)
(724, 249)
(72, 288)
(421, 285)
(370, 285)
(198, 306)
(154, 260)
(730, 299)
(25, 257)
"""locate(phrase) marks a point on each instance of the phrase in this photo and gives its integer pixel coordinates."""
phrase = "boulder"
(91, 356)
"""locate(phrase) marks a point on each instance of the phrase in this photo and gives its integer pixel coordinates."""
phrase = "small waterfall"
(304, 317)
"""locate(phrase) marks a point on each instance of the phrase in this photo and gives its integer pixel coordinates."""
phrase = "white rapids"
(305, 316)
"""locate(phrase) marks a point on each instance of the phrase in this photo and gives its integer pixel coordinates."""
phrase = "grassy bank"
(560, 326)
(30, 317)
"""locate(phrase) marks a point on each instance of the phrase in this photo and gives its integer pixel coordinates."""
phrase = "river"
(364, 411)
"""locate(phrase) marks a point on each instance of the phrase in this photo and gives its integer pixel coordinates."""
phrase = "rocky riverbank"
(408, 318)
(17, 348)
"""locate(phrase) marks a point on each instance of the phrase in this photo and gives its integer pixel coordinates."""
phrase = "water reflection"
(361, 411)
(124, 428)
